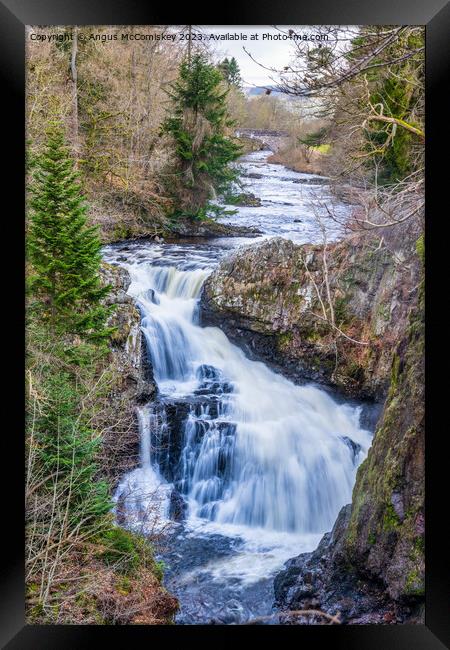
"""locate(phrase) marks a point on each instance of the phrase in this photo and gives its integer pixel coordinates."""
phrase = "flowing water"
(240, 468)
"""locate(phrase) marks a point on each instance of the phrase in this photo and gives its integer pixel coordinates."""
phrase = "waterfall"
(142, 497)
(258, 451)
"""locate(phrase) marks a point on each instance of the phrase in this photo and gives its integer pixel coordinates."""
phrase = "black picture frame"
(14, 15)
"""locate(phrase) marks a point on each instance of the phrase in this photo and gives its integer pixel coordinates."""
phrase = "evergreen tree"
(230, 71)
(64, 252)
(314, 139)
(198, 125)
(68, 447)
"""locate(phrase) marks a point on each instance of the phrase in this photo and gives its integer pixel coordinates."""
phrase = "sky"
(270, 53)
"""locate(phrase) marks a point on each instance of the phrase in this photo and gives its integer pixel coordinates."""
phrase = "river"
(253, 468)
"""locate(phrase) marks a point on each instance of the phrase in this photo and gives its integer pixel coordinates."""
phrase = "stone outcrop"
(266, 298)
(127, 342)
(385, 535)
(132, 381)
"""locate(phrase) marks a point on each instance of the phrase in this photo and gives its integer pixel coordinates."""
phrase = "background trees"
(230, 71)
(198, 124)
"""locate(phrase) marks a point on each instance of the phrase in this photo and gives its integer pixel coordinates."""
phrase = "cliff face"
(385, 535)
(140, 598)
(370, 568)
(131, 382)
(267, 298)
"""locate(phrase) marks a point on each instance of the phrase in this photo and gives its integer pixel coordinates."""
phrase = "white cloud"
(270, 53)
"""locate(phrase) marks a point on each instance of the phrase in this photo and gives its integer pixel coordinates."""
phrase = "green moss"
(355, 371)
(123, 585)
(32, 588)
(120, 550)
(313, 336)
(420, 248)
(390, 518)
(414, 585)
(36, 613)
(341, 315)
(395, 371)
(322, 148)
(120, 232)
(383, 312)
(285, 339)
(89, 604)
(159, 568)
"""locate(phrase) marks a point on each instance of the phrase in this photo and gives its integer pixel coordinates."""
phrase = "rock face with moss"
(370, 568)
(385, 535)
(127, 343)
(132, 381)
(267, 298)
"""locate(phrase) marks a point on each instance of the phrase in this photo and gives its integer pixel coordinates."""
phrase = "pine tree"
(68, 447)
(64, 252)
(230, 71)
(198, 125)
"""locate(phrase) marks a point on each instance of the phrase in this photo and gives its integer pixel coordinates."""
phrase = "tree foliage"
(230, 71)
(63, 250)
(198, 124)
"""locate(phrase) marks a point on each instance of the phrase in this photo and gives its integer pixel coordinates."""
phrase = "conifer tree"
(198, 125)
(64, 252)
(230, 71)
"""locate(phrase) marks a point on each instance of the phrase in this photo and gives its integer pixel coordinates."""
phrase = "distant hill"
(253, 91)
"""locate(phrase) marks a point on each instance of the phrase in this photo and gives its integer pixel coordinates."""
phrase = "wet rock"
(212, 382)
(253, 175)
(353, 446)
(168, 453)
(177, 506)
(211, 228)
(150, 294)
(310, 180)
(215, 388)
(324, 580)
(246, 199)
(208, 372)
(234, 613)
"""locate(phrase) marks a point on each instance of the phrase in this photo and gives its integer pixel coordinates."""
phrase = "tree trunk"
(189, 44)
(74, 81)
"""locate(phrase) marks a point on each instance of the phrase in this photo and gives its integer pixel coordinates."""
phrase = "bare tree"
(74, 89)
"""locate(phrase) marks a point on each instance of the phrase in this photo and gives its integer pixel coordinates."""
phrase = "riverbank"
(129, 216)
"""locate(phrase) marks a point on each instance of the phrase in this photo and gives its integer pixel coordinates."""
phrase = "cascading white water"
(142, 496)
(272, 455)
